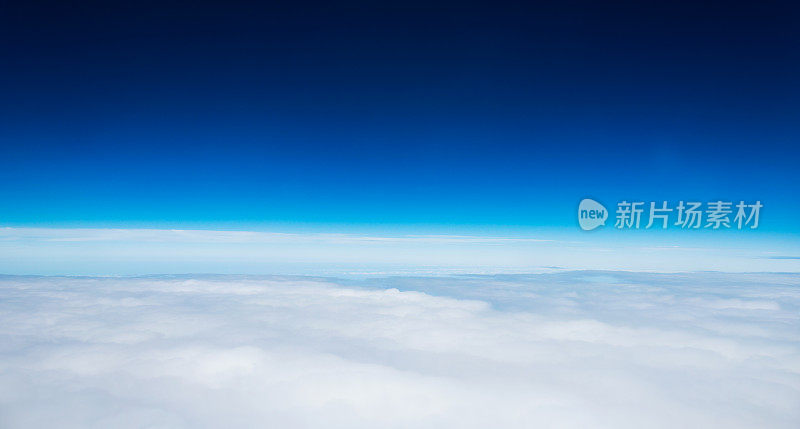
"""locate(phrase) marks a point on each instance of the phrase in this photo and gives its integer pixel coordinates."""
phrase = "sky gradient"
(418, 118)
(365, 214)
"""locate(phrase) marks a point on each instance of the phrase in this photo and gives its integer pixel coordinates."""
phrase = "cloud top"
(577, 349)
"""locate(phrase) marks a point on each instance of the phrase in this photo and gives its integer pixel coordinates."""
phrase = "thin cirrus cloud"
(570, 350)
(108, 251)
(215, 236)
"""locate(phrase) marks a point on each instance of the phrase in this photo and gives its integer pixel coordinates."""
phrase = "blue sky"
(417, 118)
(364, 214)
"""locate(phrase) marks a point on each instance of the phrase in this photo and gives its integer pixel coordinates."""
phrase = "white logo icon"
(591, 214)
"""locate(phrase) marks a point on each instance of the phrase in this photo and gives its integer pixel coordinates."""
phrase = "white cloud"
(98, 251)
(236, 236)
(577, 349)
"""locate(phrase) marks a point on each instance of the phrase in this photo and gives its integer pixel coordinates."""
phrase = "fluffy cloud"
(576, 349)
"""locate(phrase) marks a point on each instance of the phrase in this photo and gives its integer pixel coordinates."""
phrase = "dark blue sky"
(169, 113)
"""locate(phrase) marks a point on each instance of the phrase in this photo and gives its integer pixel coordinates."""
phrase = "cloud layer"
(98, 251)
(576, 349)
